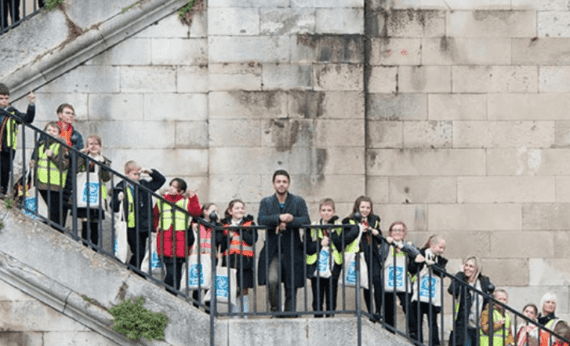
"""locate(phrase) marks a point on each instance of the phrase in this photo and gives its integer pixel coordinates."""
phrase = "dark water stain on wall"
(333, 48)
(307, 104)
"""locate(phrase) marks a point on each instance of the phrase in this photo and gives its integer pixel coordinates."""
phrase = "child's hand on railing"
(121, 196)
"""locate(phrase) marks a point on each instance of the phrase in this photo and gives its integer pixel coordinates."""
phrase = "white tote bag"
(226, 285)
(349, 268)
(430, 288)
(121, 247)
(157, 269)
(324, 263)
(194, 271)
(88, 192)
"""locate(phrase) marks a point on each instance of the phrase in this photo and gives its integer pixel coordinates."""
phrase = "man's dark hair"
(4, 89)
(63, 106)
(281, 172)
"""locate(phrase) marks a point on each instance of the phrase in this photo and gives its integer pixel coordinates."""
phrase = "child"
(331, 239)
(51, 171)
(500, 330)
(240, 243)
(90, 225)
(429, 287)
(172, 224)
(371, 239)
(9, 132)
(136, 207)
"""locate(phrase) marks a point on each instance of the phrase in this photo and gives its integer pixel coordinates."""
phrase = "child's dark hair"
(231, 205)
(534, 307)
(181, 184)
(281, 172)
(356, 207)
(205, 207)
(4, 90)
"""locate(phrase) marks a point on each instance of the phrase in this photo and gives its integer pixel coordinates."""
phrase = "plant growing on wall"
(52, 4)
(134, 321)
(187, 12)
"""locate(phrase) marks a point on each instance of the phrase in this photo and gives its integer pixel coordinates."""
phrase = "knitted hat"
(4, 89)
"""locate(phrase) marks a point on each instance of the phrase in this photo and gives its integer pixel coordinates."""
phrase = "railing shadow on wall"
(203, 277)
(14, 12)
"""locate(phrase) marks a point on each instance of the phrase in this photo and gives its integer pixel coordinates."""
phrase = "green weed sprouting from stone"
(186, 13)
(134, 321)
(182, 12)
(52, 4)
(9, 202)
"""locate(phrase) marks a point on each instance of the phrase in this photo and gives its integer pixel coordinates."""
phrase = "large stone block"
(426, 162)
(168, 27)
(423, 190)
(428, 134)
(249, 3)
(549, 271)
(234, 77)
(284, 76)
(245, 49)
(457, 107)
(424, 79)
(341, 160)
(148, 79)
(191, 134)
(540, 51)
(231, 160)
(193, 162)
(285, 134)
(383, 79)
(229, 187)
(554, 79)
(506, 189)
(397, 107)
(21, 338)
(328, 3)
(416, 23)
(86, 338)
(495, 79)
(90, 13)
(108, 107)
(341, 188)
(327, 48)
(541, 5)
(467, 4)
(328, 132)
(234, 21)
(522, 244)
(177, 51)
(549, 106)
(87, 79)
(134, 51)
(35, 316)
(339, 21)
(562, 241)
(175, 107)
(338, 77)
(415, 216)
(287, 21)
(235, 132)
(503, 134)
(396, 51)
(492, 23)
(247, 104)
(474, 217)
(377, 188)
(523, 161)
(507, 272)
(385, 134)
(133, 134)
(47, 103)
(546, 216)
(192, 79)
(466, 51)
(326, 105)
(562, 189)
(462, 243)
(553, 23)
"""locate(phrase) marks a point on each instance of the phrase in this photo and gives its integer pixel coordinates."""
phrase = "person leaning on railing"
(498, 325)
(10, 117)
(468, 305)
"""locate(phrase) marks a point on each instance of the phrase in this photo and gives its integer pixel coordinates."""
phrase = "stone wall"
(450, 114)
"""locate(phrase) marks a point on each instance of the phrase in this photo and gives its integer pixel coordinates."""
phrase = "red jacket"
(165, 237)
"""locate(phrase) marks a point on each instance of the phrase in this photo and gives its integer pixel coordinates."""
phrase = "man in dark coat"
(282, 258)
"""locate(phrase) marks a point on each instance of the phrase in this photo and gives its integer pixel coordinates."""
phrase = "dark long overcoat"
(289, 240)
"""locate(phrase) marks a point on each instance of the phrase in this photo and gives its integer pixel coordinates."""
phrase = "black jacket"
(27, 117)
(249, 236)
(143, 210)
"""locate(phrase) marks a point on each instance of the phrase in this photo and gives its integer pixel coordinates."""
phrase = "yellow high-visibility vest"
(181, 219)
(48, 172)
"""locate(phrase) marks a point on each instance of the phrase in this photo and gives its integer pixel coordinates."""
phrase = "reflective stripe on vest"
(48, 172)
(498, 334)
(238, 246)
(11, 132)
(205, 241)
(131, 209)
(181, 219)
(311, 259)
